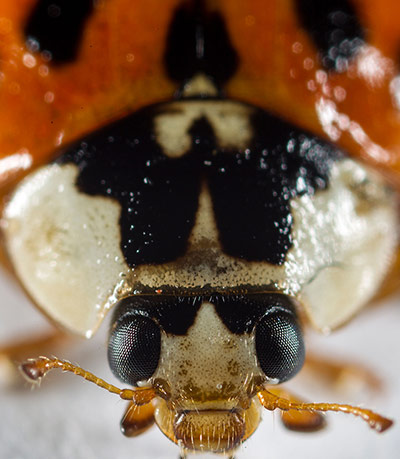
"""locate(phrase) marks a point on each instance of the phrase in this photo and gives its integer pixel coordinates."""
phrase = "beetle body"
(215, 229)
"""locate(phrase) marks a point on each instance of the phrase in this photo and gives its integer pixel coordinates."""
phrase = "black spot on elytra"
(251, 187)
(56, 26)
(334, 28)
(199, 42)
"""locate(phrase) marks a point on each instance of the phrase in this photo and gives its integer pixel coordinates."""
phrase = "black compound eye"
(279, 345)
(134, 348)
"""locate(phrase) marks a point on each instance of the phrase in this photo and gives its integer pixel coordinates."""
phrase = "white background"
(70, 418)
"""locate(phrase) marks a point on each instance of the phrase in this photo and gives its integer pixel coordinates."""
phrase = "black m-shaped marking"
(251, 188)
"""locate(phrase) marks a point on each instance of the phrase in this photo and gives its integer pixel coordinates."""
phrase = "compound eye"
(134, 348)
(279, 345)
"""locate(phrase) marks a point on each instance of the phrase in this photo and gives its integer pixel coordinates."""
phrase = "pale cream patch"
(344, 242)
(200, 85)
(65, 247)
(229, 120)
(209, 367)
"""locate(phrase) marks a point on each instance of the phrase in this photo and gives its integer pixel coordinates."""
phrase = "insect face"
(207, 357)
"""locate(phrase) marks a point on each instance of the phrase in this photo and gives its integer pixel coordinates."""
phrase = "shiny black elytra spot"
(335, 29)
(56, 27)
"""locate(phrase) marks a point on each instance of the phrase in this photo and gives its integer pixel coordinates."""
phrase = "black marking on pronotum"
(176, 314)
(251, 188)
(56, 26)
(199, 42)
(335, 29)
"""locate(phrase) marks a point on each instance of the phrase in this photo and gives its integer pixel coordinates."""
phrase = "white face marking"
(65, 247)
(209, 365)
(229, 120)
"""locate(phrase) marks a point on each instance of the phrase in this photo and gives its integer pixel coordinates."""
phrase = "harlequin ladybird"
(202, 181)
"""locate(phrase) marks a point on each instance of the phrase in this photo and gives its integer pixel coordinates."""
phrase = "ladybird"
(219, 176)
